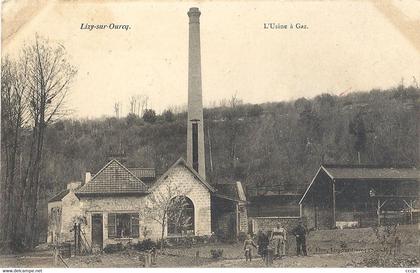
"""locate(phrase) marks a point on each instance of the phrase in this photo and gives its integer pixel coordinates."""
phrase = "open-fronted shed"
(361, 195)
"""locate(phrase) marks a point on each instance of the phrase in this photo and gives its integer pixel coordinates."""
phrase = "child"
(247, 247)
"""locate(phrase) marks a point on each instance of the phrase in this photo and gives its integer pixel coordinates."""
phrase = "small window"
(123, 225)
(111, 225)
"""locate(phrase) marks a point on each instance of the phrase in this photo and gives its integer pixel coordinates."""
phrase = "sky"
(347, 46)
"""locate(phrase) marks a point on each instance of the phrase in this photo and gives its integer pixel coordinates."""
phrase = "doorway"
(97, 230)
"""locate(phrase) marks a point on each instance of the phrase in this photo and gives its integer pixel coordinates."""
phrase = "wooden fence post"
(55, 255)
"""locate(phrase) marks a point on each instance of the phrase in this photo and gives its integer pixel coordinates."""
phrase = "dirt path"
(317, 260)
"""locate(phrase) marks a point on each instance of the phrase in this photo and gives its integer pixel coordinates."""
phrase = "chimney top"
(88, 177)
(194, 12)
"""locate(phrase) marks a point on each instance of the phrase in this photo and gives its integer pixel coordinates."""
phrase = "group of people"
(277, 239)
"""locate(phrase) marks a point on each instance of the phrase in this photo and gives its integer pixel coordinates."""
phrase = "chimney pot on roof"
(88, 177)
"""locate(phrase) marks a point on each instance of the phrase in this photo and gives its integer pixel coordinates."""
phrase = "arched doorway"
(181, 220)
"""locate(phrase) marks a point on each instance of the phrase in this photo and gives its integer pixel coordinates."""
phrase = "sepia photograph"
(141, 134)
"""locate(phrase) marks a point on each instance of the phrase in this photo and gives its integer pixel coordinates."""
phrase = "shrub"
(149, 116)
(216, 253)
(145, 245)
(168, 116)
(165, 243)
(113, 248)
(255, 110)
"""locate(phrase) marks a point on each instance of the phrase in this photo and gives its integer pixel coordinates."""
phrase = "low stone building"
(113, 206)
(114, 200)
(63, 209)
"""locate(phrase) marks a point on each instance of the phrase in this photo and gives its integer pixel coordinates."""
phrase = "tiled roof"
(370, 172)
(114, 178)
(143, 172)
(59, 196)
(147, 175)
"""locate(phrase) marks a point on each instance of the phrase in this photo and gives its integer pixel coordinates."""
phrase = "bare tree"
(117, 109)
(143, 103)
(47, 75)
(235, 101)
(133, 104)
(13, 111)
(138, 104)
(167, 205)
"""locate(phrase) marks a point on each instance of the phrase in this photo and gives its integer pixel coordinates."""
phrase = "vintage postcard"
(208, 134)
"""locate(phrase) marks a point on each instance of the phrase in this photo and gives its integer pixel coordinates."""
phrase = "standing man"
(278, 236)
(300, 232)
(263, 242)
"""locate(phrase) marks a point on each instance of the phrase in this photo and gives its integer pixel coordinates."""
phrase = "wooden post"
(238, 220)
(301, 210)
(55, 254)
(147, 260)
(154, 255)
(75, 238)
(411, 211)
(79, 237)
(197, 256)
(270, 256)
(333, 204)
(378, 212)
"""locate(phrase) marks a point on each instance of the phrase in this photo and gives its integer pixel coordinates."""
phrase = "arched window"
(181, 217)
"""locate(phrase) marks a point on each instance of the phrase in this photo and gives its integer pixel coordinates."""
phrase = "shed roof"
(59, 196)
(112, 179)
(231, 191)
(362, 173)
(371, 172)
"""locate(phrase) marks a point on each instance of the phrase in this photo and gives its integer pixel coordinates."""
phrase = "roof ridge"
(369, 166)
(130, 172)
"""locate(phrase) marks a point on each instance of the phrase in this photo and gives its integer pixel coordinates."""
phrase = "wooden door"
(97, 230)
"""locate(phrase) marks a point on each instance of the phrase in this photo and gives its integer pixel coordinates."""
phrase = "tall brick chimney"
(195, 132)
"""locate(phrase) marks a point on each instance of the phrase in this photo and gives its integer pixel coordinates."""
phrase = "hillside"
(278, 144)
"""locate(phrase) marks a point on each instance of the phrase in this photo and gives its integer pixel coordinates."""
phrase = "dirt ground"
(326, 248)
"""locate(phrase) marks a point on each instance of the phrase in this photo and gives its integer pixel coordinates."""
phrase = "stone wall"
(71, 210)
(54, 222)
(106, 205)
(243, 219)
